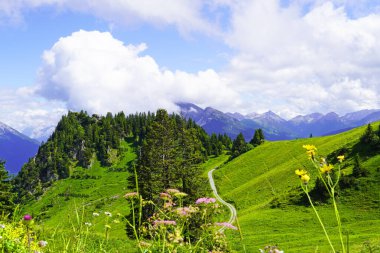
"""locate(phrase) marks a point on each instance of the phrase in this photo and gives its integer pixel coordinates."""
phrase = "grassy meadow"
(260, 183)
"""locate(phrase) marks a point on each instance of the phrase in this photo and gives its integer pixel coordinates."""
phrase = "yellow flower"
(340, 158)
(300, 172)
(309, 147)
(310, 150)
(305, 178)
(326, 168)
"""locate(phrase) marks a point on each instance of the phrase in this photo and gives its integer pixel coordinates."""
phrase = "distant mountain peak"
(15, 148)
(270, 116)
(5, 128)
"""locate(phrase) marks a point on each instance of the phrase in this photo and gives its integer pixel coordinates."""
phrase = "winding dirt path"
(231, 207)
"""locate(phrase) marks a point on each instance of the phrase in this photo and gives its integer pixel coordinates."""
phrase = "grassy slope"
(57, 209)
(59, 206)
(252, 180)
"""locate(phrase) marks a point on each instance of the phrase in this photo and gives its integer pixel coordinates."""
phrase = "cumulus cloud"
(291, 57)
(31, 115)
(292, 61)
(95, 72)
(185, 15)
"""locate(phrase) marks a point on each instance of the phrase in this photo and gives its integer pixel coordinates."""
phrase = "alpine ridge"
(273, 126)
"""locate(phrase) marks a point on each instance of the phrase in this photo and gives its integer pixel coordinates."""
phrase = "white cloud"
(294, 62)
(33, 116)
(185, 15)
(95, 72)
(307, 56)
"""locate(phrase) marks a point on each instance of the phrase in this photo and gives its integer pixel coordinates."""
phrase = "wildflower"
(205, 201)
(131, 195)
(88, 224)
(300, 172)
(42, 243)
(2, 226)
(305, 178)
(164, 195)
(326, 168)
(226, 224)
(116, 221)
(95, 214)
(172, 191)
(144, 244)
(164, 222)
(309, 147)
(168, 204)
(108, 214)
(184, 211)
(27, 217)
(340, 158)
(310, 150)
(180, 194)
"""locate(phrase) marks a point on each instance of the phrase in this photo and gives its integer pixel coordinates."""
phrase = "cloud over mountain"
(295, 60)
(291, 57)
(96, 72)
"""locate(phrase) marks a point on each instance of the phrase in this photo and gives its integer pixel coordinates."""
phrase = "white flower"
(95, 214)
(108, 214)
(2, 226)
(88, 224)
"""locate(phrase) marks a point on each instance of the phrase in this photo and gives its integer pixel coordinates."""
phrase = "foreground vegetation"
(145, 191)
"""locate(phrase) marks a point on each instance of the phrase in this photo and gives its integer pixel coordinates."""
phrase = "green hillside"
(262, 185)
(70, 203)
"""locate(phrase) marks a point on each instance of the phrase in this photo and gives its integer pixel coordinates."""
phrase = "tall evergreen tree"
(158, 156)
(358, 170)
(6, 195)
(369, 136)
(239, 146)
(258, 138)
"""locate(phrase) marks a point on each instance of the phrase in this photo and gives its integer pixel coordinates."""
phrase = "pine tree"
(258, 138)
(239, 146)
(369, 136)
(358, 170)
(6, 195)
(158, 157)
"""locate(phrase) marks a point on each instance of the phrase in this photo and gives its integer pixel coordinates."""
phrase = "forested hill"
(80, 140)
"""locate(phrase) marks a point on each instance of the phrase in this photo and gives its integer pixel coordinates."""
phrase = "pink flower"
(164, 222)
(131, 195)
(172, 191)
(42, 243)
(27, 217)
(183, 211)
(164, 195)
(226, 224)
(205, 201)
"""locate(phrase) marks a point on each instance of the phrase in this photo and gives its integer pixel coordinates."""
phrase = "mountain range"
(15, 148)
(273, 126)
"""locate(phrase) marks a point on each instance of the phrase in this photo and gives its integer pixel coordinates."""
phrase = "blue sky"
(292, 57)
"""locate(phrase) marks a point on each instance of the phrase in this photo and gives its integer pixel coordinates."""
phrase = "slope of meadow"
(70, 203)
(262, 182)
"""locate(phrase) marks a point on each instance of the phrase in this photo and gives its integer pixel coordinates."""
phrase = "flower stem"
(319, 219)
(338, 220)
